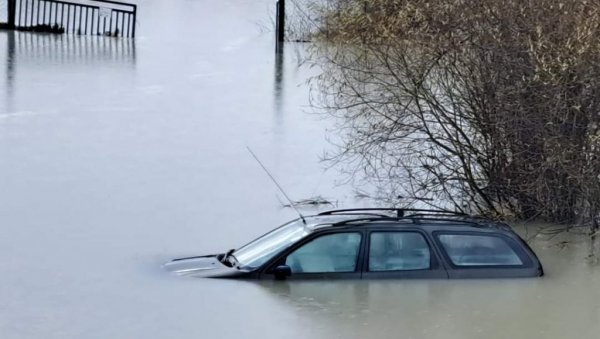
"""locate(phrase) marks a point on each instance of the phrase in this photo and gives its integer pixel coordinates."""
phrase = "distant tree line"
(485, 106)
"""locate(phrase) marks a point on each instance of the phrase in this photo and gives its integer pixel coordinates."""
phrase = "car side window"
(328, 253)
(398, 251)
(479, 250)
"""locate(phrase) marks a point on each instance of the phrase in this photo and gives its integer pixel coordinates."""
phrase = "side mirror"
(282, 271)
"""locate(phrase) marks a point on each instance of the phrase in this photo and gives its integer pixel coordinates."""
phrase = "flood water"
(118, 156)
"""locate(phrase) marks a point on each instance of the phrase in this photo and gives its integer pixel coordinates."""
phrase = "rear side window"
(398, 251)
(479, 250)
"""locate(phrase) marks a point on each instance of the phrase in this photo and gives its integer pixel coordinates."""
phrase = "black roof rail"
(414, 220)
(400, 212)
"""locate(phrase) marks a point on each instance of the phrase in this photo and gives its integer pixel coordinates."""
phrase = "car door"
(332, 255)
(401, 254)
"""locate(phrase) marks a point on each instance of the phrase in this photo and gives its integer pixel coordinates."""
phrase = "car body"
(374, 244)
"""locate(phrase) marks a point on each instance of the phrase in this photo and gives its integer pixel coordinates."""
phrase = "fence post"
(280, 22)
(134, 20)
(12, 12)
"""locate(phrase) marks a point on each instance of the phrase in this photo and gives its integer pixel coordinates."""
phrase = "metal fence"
(93, 17)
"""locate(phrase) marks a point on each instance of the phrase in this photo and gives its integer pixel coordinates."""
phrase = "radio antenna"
(276, 184)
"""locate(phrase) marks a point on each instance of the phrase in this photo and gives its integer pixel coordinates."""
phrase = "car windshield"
(264, 248)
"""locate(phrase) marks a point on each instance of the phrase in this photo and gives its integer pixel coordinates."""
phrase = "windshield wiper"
(229, 259)
(234, 262)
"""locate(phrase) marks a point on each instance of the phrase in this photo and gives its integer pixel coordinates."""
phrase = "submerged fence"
(67, 49)
(92, 17)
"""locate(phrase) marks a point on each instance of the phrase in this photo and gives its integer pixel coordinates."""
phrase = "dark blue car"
(374, 244)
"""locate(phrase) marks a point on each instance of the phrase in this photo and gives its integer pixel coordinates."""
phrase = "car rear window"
(479, 250)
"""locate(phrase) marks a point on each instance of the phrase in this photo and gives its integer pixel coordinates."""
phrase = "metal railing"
(91, 17)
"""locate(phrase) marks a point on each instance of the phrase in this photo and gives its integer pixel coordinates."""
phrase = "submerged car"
(372, 243)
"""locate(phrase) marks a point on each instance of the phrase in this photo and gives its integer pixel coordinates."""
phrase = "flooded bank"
(118, 156)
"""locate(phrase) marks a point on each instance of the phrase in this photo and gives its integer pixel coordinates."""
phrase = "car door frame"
(266, 272)
(437, 269)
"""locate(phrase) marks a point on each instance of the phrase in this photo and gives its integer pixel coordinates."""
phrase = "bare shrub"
(484, 106)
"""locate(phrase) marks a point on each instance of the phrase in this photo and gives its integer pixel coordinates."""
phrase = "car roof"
(398, 217)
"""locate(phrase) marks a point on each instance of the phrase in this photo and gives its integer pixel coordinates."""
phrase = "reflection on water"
(51, 51)
(278, 80)
(564, 303)
(10, 63)
(54, 49)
